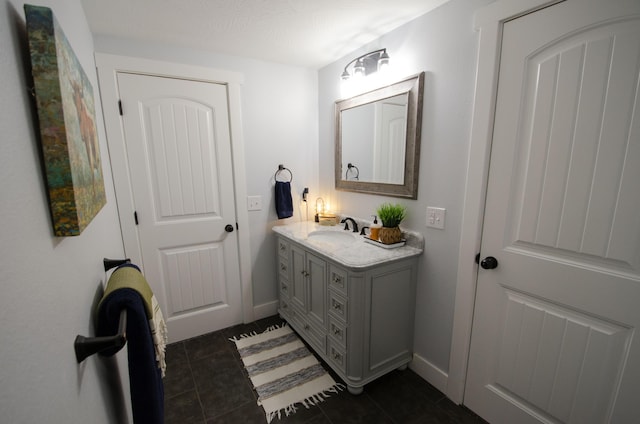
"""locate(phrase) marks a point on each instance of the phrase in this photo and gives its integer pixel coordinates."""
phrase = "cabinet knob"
(337, 306)
(283, 287)
(336, 331)
(306, 326)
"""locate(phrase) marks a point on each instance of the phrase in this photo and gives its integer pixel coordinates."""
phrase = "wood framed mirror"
(377, 136)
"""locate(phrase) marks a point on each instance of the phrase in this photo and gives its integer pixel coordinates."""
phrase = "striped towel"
(129, 276)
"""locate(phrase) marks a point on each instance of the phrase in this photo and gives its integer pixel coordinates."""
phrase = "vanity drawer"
(337, 356)
(284, 287)
(314, 336)
(338, 331)
(338, 306)
(283, 266)
(285, 309)
(283, 248)
(338, 279)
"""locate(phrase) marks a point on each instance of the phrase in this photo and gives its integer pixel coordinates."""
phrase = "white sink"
(341, 238)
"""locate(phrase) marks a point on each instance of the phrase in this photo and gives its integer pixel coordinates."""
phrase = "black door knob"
(489, 263)
(228, 228)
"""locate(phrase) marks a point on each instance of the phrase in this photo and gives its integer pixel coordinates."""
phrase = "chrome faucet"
(346, 224)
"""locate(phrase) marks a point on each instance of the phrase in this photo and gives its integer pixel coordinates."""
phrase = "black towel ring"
(351, 166)
(280, 169)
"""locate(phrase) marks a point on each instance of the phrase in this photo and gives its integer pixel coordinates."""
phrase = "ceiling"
(308, 33)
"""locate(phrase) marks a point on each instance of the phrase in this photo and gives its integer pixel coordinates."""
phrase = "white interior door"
(553, 332)
(179, 155)
(390, 139)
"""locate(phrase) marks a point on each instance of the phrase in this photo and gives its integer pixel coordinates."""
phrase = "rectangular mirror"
(378, 140)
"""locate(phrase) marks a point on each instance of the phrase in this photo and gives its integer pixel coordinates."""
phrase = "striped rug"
(283, 371)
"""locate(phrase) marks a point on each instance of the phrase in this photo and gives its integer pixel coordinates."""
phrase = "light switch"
(254, 203)
(435, 217)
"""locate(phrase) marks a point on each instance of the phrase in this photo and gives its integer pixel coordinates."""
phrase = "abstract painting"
(66, 115)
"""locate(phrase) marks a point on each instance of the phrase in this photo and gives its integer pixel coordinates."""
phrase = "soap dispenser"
(375, 228)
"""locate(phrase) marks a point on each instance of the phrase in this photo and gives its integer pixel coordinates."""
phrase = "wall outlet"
(254, 203)
(435, 217)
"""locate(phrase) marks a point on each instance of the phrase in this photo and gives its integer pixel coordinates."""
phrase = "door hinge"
(478, 257)
(135, 217)
(237, 228)
(120, 106)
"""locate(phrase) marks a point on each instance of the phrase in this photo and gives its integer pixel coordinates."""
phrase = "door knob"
(228, 228)
(489, 263)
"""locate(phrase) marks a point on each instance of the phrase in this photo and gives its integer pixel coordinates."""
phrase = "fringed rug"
(283, 371)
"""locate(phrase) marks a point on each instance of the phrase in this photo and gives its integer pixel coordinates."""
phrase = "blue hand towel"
(145, 380)
(284, 203)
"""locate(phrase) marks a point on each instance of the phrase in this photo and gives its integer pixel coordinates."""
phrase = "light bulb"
(358, 68)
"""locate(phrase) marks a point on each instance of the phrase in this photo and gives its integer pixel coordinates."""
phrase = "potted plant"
(391, 217)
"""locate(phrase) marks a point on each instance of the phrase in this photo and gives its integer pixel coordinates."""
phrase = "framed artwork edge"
(66, 120)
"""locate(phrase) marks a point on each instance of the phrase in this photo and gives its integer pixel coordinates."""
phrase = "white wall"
(279, 117)
(48, 285)
(444, 45)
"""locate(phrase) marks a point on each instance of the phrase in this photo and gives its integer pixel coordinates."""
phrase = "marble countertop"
(356, 255)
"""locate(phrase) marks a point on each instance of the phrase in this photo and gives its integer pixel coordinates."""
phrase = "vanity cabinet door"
(317, 289)
(308, 288)
(297, 288)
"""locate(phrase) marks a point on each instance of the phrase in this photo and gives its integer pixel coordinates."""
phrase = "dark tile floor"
(206, 383)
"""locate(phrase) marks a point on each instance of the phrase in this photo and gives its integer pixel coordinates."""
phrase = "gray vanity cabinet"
(360, 321)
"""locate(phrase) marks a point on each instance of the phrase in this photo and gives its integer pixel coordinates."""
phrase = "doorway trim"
(109, 66)
(488, 21)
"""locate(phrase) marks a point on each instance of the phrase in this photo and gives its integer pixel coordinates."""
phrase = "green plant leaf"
(391, 215)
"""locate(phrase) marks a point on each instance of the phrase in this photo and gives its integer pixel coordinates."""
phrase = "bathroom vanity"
(351, 301)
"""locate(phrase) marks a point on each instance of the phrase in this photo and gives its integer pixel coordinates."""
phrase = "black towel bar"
(112, 263)
(87, 346)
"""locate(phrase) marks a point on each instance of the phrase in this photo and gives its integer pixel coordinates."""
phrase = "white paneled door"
(558, 294)
(389, 150)
(179, 154)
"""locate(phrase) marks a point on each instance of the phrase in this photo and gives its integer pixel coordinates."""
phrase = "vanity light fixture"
(366, 64)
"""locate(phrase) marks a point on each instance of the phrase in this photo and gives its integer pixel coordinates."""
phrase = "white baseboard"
(434, 375)
(265, 310)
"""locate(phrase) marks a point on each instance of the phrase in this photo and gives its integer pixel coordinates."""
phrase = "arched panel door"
(554, 322)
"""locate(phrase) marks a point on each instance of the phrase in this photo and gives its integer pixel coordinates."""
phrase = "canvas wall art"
(66, 114)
